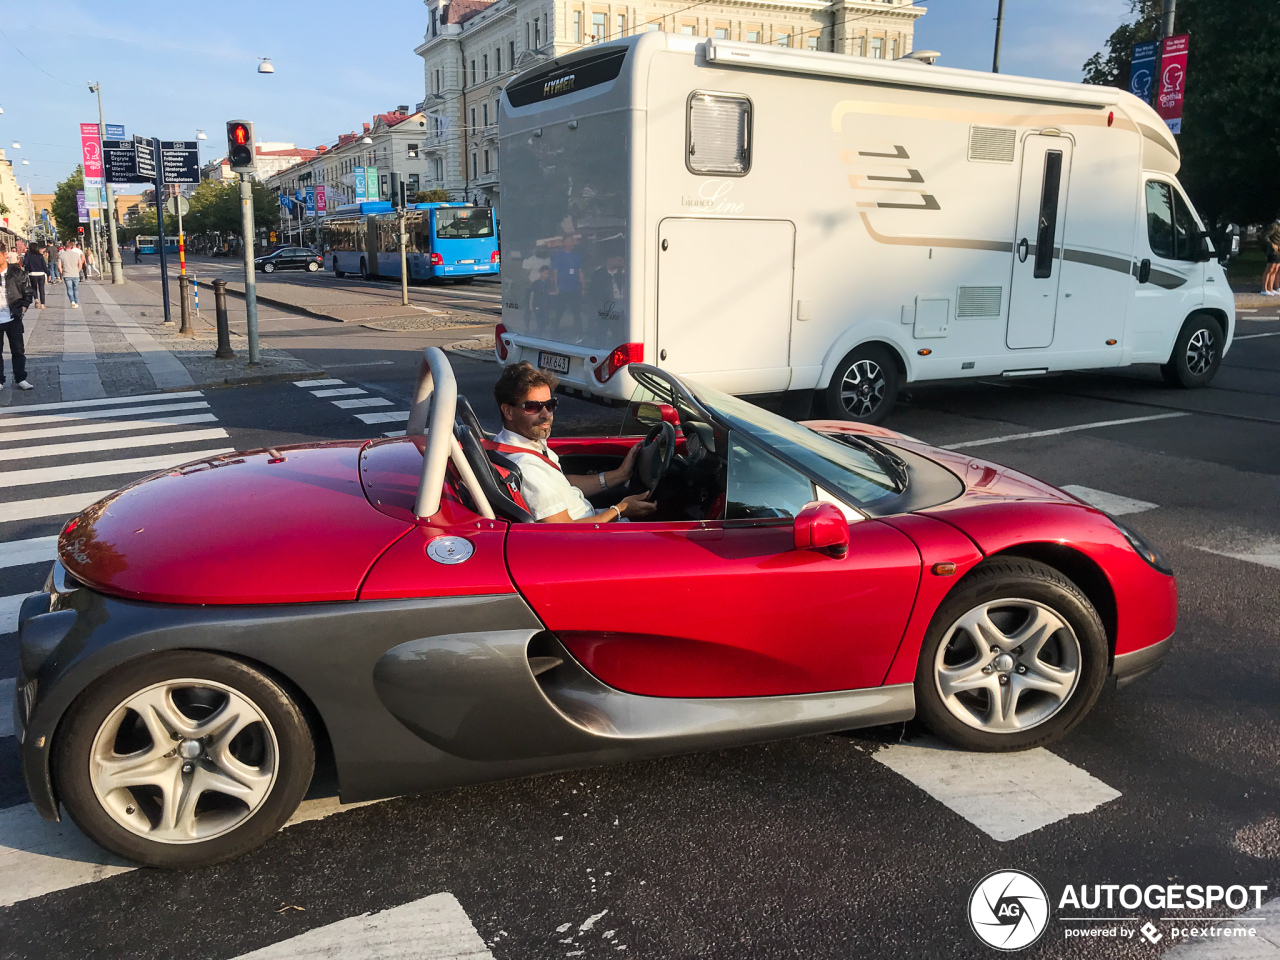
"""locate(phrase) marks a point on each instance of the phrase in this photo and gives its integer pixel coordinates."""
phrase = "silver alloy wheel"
(862, 389)
(1007, 665)
(183, 761)
(1202, 350)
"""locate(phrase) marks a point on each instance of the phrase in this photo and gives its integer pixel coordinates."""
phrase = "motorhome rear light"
(436, 259)
(1111, 118)
(493, 257)
(498, 343)
(619, 358)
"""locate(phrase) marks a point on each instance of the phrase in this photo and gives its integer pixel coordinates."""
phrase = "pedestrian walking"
(72, 262)
(89, 268)
(137, 252)
(16, 299)
(37, 269)
(52, 259)
(1271, 247)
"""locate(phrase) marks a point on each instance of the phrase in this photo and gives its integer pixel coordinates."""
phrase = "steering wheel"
(656, 451)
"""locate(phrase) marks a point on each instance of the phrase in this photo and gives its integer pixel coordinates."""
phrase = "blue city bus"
(148, 244)
(455, 241)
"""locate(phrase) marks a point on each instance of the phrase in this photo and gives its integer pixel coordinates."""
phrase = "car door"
(725, 608)
(1170, 272)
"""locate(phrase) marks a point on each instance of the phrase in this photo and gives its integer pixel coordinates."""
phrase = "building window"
(652, 27)
(486, 161)
(811, 42)
(473, 73)
(753, 36)
(720, 33)
(537, 32)
(475, 169)
(599, 26)
(435, 82)
(495, 158)
(511, 53)
(484, 110)
(435, 22)
(622, 25)
(783, 40)
(413, 184)
(893, 50)
(473, 118)
(577, 26)
(526, 36)
(484, 62)
(687, 29)
(877, 48)
(497, 59)
(412, 151)
(386, 188)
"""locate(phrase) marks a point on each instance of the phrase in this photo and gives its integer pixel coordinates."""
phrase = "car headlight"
(1144, 548)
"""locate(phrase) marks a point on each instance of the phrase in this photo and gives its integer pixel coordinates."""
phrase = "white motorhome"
(768, 220)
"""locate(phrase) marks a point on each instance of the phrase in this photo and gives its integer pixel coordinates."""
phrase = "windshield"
(464, 224)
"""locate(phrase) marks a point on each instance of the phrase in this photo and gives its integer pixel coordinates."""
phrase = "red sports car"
(204, 632)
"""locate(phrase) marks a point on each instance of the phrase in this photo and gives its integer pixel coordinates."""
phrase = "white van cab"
(768, 220)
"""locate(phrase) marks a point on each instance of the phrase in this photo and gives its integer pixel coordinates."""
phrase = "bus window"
(464, 224)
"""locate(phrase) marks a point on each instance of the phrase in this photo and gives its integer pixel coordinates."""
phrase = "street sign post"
(180, 161)
(121, 162)
(146, 159)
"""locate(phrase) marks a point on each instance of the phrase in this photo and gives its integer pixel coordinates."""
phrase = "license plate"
(555, 362)
(468, 261)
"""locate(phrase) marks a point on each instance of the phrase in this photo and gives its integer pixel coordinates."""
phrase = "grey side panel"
(1127, 667)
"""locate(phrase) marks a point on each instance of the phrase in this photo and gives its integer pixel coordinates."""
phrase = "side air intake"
(996, 144)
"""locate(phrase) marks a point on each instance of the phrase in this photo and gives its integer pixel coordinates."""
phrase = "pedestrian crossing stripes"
(115, 426)
(104, 468)
(336, 392)
(9, 607)
(76, 415)
(362, 402)
(21, 552)
(20, 412)
(338, 388)
(397, 416)
(114, 443)
(64, 506)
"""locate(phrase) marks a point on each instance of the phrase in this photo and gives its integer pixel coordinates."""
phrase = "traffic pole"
(995, 60)
(1166, 18)
(404, 261)
(117, 269)
(164, 261)
(250, 281)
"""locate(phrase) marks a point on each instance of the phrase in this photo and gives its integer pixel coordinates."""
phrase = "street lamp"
(113, 248)
(16, 145)
(265, 66)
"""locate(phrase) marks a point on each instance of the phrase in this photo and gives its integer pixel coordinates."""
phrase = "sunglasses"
(535, 406)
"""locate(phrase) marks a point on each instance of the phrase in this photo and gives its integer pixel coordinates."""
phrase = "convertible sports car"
(206, 631)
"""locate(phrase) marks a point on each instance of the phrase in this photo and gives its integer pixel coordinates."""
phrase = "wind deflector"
(563, 78)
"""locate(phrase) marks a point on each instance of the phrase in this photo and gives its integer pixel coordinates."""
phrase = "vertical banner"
(94, 172)
(358, 183)
(82, 207)
(322, 201)
(311, 201)
(1173, 80)
(371, 183)
(1142, 71)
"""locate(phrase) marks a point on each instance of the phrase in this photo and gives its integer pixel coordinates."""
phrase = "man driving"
(524, 399)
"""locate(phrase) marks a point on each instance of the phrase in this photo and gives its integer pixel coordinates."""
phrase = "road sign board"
(180, 161)
(121, 162)
(177, 206)
(115, 131)
(146, 158)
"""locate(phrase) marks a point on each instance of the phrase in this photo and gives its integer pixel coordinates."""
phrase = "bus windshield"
(464, 224)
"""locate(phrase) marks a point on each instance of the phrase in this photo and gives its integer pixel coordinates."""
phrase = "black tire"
(336, 272)
(364, 269)
(1197, 353)
(464, 280)
(268, 268)
(292, 755)
(1028, 586)
(864, 387)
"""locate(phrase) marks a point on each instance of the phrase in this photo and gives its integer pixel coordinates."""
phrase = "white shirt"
(546, 489)
(5, 315)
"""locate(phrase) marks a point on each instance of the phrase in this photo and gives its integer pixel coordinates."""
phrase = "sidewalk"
(116, 344)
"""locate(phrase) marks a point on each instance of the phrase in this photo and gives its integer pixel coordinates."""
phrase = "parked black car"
(288, 258)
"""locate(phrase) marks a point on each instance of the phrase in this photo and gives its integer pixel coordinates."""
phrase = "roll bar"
(435, 404)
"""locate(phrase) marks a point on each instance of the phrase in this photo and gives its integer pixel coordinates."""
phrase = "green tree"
(431, 196)
(1230, 141)
(66, 213)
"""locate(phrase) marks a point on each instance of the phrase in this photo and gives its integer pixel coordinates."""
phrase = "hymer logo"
(1008, 910)
(553, 88)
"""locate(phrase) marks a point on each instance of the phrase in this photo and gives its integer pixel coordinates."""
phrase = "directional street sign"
(121, 162)
(146, 158)
(180, 161)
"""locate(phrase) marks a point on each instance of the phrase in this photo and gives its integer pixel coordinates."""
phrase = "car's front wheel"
(1197, 353)
(312, 266)
(183, 759)
(864, 386)
(1014, 658)
(268, 268)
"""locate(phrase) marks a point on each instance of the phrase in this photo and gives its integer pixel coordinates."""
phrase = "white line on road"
(1111, 503)
(366, 363)
(433, 928)
(1005, 795)
(84, 429)
(7, 690)
(362, 402)
(111, 443)
(1265, 946)
(100, 402)
(18, 553)
(100, 414)
(328, 382)
(384, 416)
(104, 468)
(337, 392)
(395, 433)
(1255, 336)
(9, 607)
(1059, 430)
(1240, 545)
(64, 506)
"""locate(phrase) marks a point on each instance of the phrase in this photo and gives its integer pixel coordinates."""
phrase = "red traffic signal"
(239, 133)
(240, 148)
(79, 229)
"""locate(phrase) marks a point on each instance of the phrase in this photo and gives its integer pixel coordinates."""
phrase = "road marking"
(1005, 795)
(101, 414)
(433, 928)
(395, 433)
(112, 443)
(39, 857)
(328, 382)
(337, 392)
(100, 402)
(18, 553)
(383, 417)
(1239, 545)
(9, 607)
(1265, 946)
(104, 468)
(1111, 503)
(65, 506)
(362, 402)
(368, 363)
(81, 430)
(1255, 336)
(1060, 430)
(8, 688)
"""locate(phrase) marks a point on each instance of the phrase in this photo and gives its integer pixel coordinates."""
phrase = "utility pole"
(117, 271)
(1166, 18)
(995, 60)
(250, 281)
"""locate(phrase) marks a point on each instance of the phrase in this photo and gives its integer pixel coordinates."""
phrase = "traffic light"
(79, 229)
(240, 149)
(397, 191)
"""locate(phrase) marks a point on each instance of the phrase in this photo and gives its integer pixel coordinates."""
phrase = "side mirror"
(1144, 271)
(823, 528)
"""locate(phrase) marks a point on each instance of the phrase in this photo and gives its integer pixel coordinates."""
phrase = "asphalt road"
(810, 848)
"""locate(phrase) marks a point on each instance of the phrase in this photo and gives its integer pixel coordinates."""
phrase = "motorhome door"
(1037, 241)
(724, 301)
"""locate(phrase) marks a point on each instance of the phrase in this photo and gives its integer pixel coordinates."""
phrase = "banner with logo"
(358, 184)
(82, 207)
(322, 201)
(1142, 70)
(1173, 80)
(94, 171)
(371, 183)
(311, 201)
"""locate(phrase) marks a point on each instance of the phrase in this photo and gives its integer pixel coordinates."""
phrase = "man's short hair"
(4, 247)
(518, 379)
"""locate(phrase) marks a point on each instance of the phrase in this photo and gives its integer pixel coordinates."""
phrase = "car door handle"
(1024, 246)
(1144, 271)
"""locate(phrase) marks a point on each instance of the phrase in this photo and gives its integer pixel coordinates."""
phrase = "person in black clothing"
(17, 297)
(137, 252)
(36, 269)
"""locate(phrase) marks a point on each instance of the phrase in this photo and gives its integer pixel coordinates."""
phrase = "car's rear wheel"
(183, 759)
(864, 387)
(268, 268)
(336, 272)
(1197, 353)
(1014, 658)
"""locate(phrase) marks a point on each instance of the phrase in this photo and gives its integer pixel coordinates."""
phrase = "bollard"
(224, 330)
(195, 290)
(184, 301)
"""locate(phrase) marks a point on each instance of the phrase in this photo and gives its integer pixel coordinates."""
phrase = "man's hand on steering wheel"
(636, 507)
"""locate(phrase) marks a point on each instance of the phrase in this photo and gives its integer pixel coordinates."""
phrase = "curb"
(266, 378)
(294, 308)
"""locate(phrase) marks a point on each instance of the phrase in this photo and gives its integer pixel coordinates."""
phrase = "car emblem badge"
(450, 549)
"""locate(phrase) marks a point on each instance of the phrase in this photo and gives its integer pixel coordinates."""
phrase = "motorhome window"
(1046, 232)
(719, 134)
(464, 224)
(1160, 219)
(565, 78)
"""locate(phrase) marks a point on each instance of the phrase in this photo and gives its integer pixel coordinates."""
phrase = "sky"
(170, 67)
